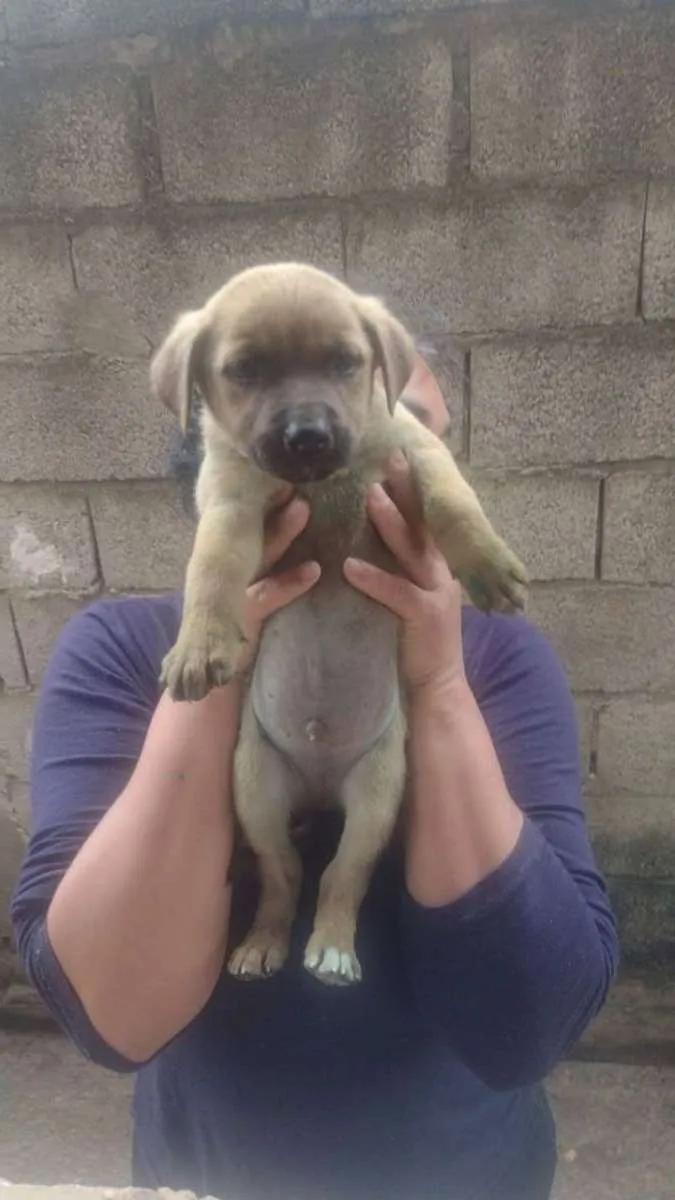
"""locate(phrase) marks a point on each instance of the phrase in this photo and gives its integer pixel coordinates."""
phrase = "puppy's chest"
(338, 523)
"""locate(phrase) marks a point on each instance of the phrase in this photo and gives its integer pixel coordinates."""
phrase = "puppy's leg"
(371, 796)
(226, 554)
(487, 568)
(265, 788)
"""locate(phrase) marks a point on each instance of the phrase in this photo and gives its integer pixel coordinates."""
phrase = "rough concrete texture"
(560, 402)
(155, 270)
(35, 283)
(365, 8)
(645, 910)
(658, 292)
(41, 22)
(633, 834)
(16, 718)
(574, 98)
(12, 850)
(611, 639)
(45, 538)
(39, 620)
(336, 117)
(144, 536)
(69, 138)
(489, 261)
(639, 536)
(12, 674)
(549, 519)
(636, 750)
(65, 1120)
(71, 418)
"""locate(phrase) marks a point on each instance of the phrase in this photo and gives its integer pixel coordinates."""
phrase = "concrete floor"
(63, 1120)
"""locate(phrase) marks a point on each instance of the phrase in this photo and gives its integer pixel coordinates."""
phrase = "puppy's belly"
(325, 684)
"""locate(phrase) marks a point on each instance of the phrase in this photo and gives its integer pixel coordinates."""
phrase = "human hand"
(427, 598)
(270, 592)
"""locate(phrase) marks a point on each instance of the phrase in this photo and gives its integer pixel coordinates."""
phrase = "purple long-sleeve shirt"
(423, 1081)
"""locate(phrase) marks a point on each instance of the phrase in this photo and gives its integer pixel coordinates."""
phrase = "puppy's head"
(285, 357)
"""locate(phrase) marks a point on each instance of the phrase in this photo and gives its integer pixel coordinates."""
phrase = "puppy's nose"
(308, 439)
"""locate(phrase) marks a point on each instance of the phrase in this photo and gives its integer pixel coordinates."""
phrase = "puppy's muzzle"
(303, 447)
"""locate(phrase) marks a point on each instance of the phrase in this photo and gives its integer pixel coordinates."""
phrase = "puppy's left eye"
(244, 371)
(343, 363)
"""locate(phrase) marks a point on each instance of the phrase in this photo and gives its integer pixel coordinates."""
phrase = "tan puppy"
(286, 359)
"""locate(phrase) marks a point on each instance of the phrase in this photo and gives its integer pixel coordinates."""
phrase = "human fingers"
(276, 591)
(395, 592)
(281, 530)
(420, 561)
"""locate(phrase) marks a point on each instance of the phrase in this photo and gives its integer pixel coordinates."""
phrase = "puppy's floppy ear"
(392, 344)
(178, 364)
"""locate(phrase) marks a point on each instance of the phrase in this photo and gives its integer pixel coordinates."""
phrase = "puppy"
(288, 360)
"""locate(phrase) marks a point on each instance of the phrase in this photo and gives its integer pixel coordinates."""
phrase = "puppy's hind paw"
(193, 668)
(333, 965)
(258, 957)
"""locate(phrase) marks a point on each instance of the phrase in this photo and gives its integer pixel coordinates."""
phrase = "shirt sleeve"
(94, 708)
(514, 971)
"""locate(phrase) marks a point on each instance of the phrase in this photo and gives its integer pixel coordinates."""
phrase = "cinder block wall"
(504, 174)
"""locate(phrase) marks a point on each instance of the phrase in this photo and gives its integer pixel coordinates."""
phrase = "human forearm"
(462, 823)
(139, 921)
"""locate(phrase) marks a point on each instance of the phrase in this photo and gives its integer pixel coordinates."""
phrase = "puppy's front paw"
(196, 664)
(333, 964)
(495, 578)
(260, 955)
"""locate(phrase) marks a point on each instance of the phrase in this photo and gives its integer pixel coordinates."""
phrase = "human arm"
(121, 908)
(508, 938)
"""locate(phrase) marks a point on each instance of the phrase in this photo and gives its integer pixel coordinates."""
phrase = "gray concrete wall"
(504, 174)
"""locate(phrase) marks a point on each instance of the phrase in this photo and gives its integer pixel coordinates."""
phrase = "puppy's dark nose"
(308, 439)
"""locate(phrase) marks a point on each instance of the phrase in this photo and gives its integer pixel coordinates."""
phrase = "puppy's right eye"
(244, 371)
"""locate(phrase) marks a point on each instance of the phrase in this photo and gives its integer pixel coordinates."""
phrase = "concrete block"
(40, 22)
(70, 418)
(336, 115)
(490, 261)
(19, 804)
(636, 748)
(573, 98)
(69, 138)
(645, 911)
(549, 519)
(569, 402)
(45, 538)
(40, 619)
(585, 715)
(12, 674)
(144, 536)
(367, 8)
(639, 528)
(658, 286)
(633, 835)
(12, 851)
(156, 271)
(35, 283)
(610, 638)
(16, 724)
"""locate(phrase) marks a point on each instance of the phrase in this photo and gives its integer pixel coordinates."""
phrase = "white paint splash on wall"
(35, 560)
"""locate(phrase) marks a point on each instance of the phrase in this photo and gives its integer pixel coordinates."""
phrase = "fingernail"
(356, 564)
(378, 494)
(309, 571)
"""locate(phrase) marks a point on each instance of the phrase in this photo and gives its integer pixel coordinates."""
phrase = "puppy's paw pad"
(333, 965)
(190, 670)
(257, 959)
(497, 584)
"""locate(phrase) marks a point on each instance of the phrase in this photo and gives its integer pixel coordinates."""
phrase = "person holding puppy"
(488, 937)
